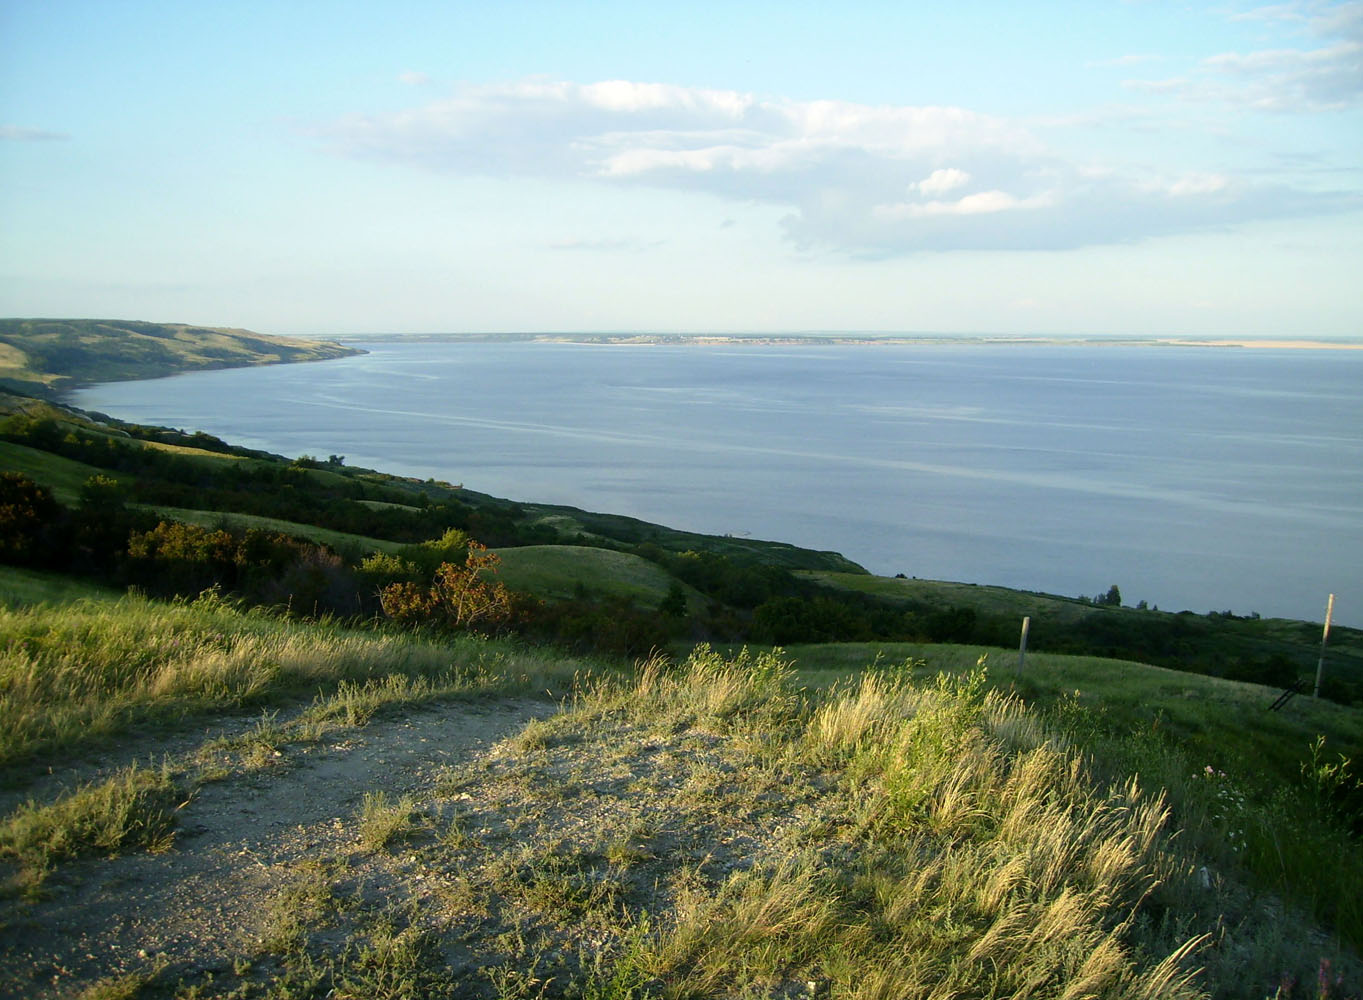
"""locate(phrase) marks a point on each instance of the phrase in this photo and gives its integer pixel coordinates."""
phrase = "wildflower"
(1324, 983)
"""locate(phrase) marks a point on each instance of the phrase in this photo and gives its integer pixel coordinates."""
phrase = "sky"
(1094, 168)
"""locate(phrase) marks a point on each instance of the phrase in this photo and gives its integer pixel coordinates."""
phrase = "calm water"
(1199, 478)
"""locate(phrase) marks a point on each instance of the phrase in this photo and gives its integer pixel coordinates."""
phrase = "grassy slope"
(570, 522)
(1222, 722)
(44, 356)
(558, 571)
(1258, 637)
(944, 594)
(80, 666)
(27, 587)
(64, 477)
(341, 540)
(61, 475)
(708, 830)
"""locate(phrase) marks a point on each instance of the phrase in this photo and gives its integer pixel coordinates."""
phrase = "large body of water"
(1197, 478)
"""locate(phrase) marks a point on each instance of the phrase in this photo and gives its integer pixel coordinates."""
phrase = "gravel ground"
(198, 906)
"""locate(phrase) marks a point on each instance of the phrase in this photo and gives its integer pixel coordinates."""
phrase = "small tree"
(102, 494)
(26, 512)
(674, 604)
(465, 598)
(1113, 599)
(459, 597)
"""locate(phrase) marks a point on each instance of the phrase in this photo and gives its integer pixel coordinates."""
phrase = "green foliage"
(611, 625)
(382, 568)
(458, 598)
(1334, 785)
(81, 673)
(104, 495)
(135, 810)
(737, 583)
(175, 558)
(674, 604)
(27, 513)
(286, 491)
(452, 547)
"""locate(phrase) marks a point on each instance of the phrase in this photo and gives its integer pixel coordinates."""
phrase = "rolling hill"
(42, 357)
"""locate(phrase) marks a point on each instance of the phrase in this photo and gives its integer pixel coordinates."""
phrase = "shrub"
(458, 598)
(27, 512)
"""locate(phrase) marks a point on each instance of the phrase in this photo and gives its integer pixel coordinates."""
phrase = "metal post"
(1022, 646)
(1320, 664)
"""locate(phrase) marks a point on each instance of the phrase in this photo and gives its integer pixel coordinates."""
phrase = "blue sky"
(320, 168)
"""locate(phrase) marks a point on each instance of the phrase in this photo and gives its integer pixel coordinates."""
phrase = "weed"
(124, 987)
(390, 965)
(303, 902)
(628, 972)
(383, 821)
(133, 810)
(517, 983)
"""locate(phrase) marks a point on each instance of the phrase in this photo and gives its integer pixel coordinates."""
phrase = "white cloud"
(1290, 79)
(1196, 184)
(19, 133)
(870, 180)
(983, 203)
(1325, 75)
(942, 181)
(1272, 12)
(413, 78)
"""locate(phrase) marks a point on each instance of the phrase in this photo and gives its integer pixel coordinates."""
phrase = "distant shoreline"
(820, 339)
(1300, 345)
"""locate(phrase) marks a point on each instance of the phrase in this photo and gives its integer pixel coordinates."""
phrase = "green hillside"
(747, 824)
(1271, 651)
(484, 781)
(592, 578)
(565, 571)
(42, 357)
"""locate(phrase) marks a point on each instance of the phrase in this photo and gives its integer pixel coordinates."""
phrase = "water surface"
(1199, 478)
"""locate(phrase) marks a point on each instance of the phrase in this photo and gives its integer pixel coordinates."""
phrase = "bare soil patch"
(198, 907)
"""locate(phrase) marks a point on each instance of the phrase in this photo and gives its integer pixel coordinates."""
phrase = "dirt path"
(147, 747)
(237, 842)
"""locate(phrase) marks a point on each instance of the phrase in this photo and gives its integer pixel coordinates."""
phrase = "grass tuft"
(383, 821)
(134, 810)
(92, 670)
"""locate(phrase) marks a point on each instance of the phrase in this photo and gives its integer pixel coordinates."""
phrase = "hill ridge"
(46, 357)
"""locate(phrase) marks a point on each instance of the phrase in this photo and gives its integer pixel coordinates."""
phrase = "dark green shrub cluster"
(105, 539)
(276, 489)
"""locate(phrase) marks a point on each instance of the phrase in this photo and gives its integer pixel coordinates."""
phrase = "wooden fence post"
(1320, 664)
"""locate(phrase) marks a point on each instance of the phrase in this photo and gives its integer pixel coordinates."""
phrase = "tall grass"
(957, 851)
(87, 671)
(1232, 771)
